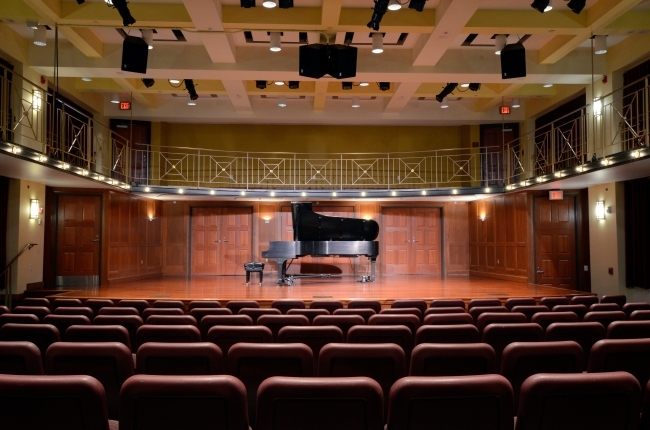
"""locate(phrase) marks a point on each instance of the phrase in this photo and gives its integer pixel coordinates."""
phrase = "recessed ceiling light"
(87, 79)
(269, 4)
(212, 192)
(364, 84)
(243, 193)
(334, 194)
(444, 106)
(180, 191)
(191, 103)
(394, 6)
(303, 194)
(424, 193)
(548, 85)
(464, 85)
(394, 193)
(174, 81)
(279, 82)
(147, 189)
(363, 194)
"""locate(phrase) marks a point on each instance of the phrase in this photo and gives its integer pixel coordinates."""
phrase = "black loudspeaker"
(135, 53)
(343, 61)
(317, 60)
(513, 61)
(312, 60)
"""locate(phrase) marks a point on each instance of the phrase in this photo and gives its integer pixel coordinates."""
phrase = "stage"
(386, 289)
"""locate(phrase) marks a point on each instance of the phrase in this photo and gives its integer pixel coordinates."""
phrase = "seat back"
(62, 322)
(448, 319)
(584, 300)
(204, 304)
(447, 303)
(410, 303)
(444, 310)
(36, 301)
(98, 333)
(173, 304)
(73, 402)
(255, 313)
(330, 305)
(409, 320)
(140, 305)
(452, 359)
(199, 313)
(579, 401)
(604, 307)
(344, 322)
(364, 313)
(252, 363)
(519, 301)
(39, 311)
(110, 363)
(619, 299)
(309, 313)
(131, 322)
(283, 305)
(605, 318)
(530, 311)
(580, 310)
(75, 310)
(397, 334)
(160, 311)
(402, 311)
(199, 358)
(626, 355)
(199, 402)
(314, 337)
(483, 303)
(628, 308)
(118, 310)
(166, 334)
(276, 322)
(545, 319)
(640, 315)
(209, 321)
(236, 305)
(171, 320)
(97, 304)
(41, 335)
(419, 402)
(584, 334)
(460, 333)
(226, 336)
(498, 336)
(375, 305)
(20, 358)
(628, 330)
(319, 403)
(68, 303)
(478, 310)
(19, 319)
(487, 318)
(551, 302)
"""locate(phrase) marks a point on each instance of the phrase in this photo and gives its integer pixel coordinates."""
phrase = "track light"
(148, 82)
(346, 86)
(541, 5)
(474, 87)
(260, 85)
(147, 35)
(189, 86)
(282, 101)
(124, 11)
(247, 3)
(600, 45)
(384, 86)
(269, 4)
(286, 4)
(448, 89)
(115, 98)
(40, 36)
(377, 43)
(356, 102)
(500, 42)
(417, 5)
(294, 85)
(81, 1)
(516, 103)
(276, 43)
(394, 5)
(576, 5)
(32, 24)
(379, 10)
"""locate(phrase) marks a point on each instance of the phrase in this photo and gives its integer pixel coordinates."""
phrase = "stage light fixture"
(600, 45)
(40, 36)
(417, 5)
(516, 103)
(148, 82)
(115, 98)
(541, 5)
(282, 101)
(286, 4)
(500, 42)
(576, 5)
(189, 86)
(378, 13)
(81, 1)
(294, 85)
(394, 5)
(247, 3)
(260, 85)
(276, 43)
(123, 9)
(384, 86)
(474, 87)
(356, 102)
(448, 89)
(147, 35)
(346, 86)
(377, 43)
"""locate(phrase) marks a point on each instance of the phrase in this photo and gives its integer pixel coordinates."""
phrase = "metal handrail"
(26, 248)
(7, 270)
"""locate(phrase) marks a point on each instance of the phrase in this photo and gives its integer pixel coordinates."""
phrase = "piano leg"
(282, 270)
(373, 260)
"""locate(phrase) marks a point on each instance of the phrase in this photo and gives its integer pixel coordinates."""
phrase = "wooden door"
(205, 248)
(397, 236)
(425, 241)
(555, 247)
(78, 240)
(236, 235)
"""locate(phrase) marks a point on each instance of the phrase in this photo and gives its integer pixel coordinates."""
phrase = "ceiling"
(225, 48)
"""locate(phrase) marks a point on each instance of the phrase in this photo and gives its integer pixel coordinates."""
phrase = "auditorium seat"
(478, 310)
(519, 301)
(579, 401)
(604, 307)
(62, 322)
(169, 304)
(375, 305)
(172, 320)
(411, 321)
(583, 300)
(344, 322)
(330, 305)
(545, 319)
(619, 299)
(483, 303)
(397, 334)
(20, 358)
(255, 313)
(167, 334)
(160, 311)
(309, 313)
(225, 336)
(551, 302)
(314, 337)
(444, 310)
(487, 318)
(498, 336)
(98, 333)
(579, 310)
(319, 403)
(645, 416)
(628, 330)
(283, 305)
(140, 305)
(529, 311)
(605, 318)
(478, 402)
(364, 313)
(39, 311)
(628, 308)
(73, 402)
(402, 311)
(199, 313)
(460, 333)
(625, 355)
(209, 321)
(585, 334)
(236, 305)
(384, 363)
(448, 319)
(523, 359)
(41, 335)
(447, 303)
(4, 310)
(166, 402)
(452, 359)
(131, 322)
(36, 301)
(410, 303)
(118, 310)
(204, 304)
(67, 303)
(110, 363)
(276, 322)
(640, 315)
(97, 304)
(75, 310)
(197, 358)
(19, 319)
(252, 363)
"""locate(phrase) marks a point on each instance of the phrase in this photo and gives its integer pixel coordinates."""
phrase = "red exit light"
(125, 105)
(505, 110)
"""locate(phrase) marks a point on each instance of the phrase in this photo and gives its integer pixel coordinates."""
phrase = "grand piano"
(319, 235)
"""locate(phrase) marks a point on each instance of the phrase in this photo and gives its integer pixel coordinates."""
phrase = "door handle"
(539, 271)
(225, 240)
(95, 240)
(217, 241)
(414, 240)
(407, 241)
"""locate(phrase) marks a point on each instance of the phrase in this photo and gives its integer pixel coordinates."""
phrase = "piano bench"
(254, 267)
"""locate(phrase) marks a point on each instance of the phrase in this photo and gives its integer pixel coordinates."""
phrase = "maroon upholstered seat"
(545, 319)
(166, 333)
(98, 333)
(19, 319)
(459, 333)
(166, 402)
(452, 359)
(39, 311)
(110, 363)
(409, 320)
(330, 305)
(344, 322)
(4, 310)
(483, 303)
(209, 321)
(410, 303)
(314, 337)
(529, 311)
(276, 322)
(375, 305)
(579, 401)
(619, 299)
(584, 300)
(309, 313)
(519, 301)
(448, 319)
(20, 358)
(118, 310)
(640, 315)
(41, 335)
(628, 308)
(498, 336)
(140, 305)
(62, 322)
(585, 334)
(477, 402)
(365, 313)
(171, 320)
(487, 318)
(204, 304)
(551, 302)
(199, 313)
(523, 359)
(236, 305)
(604, 307)
(580, 310)
(226, 336)
(173, 304)
(160, 311)
(75, 402)
(444, 310)
(397, 334)
(75, 310)
(447, 303)
(478, 310)
(36, 301)
(283, 305)
(97, 304)
(626, 355)
(319, 403)
(131, 322)
(198, 358)
(252, 363)
(605, 318)
(628, 330)
(402, 311)
(645, 416)
(67, 303)
(255, 313)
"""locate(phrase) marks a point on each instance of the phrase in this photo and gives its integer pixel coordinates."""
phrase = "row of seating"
(606, 401)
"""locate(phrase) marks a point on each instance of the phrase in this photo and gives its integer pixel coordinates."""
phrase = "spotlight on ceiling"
(81, 1)
(269, 4)
(148, 82)
(286, 4)
(174, 81)
(115, 98)
(247, 3)
(356, 102)
(40, 36)
(124, 11)
(378, 13)
(394, 5)
(282, 101)
(600, 45)
(377, 43)
(576, 5)
(189, 86)
(474, 87)
(147, 35)
(346, 86)
(384, 86)
(448, 89)
(541, 5)
(294, 85)
(500, 42)
(363, 84)
(417, 5)
(516, 103)
(260, 85)
(276, 43)
(32, 24)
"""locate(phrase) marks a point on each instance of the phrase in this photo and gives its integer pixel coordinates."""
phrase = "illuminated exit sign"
(125, 105)
(505, 110)
(556, 195)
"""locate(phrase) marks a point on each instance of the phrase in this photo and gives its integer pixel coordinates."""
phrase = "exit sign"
(505, 110)
(556, 195)
(125, 105)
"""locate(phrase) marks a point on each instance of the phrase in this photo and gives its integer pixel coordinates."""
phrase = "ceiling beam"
(238, 97)
(484, 104)
(331, 13)
(207, 15)
(148, 101)
(402, 95)
(160, 15)
(320, 96)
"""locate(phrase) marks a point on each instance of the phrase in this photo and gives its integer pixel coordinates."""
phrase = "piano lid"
(309, 225)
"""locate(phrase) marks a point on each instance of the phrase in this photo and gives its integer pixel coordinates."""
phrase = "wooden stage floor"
(385, 289)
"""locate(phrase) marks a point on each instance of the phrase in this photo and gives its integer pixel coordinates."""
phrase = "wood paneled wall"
(499, 237)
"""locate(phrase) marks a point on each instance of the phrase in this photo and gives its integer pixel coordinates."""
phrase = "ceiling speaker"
(135, 53)
(513, 61)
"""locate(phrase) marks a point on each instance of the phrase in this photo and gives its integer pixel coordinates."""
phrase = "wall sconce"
(600, 209)
(151, 218)
(37, 100)
(34, 209)
(482, 217)
(266, 219)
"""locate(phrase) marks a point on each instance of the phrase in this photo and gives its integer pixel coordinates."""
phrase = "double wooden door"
(221, 240)
(555, 242)
(411, 238)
